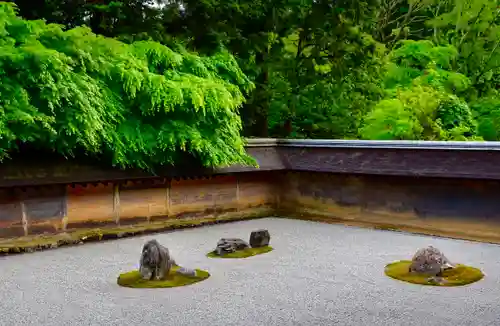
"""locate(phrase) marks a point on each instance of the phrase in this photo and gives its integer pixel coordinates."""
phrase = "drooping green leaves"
(136, 105)
(322, 69)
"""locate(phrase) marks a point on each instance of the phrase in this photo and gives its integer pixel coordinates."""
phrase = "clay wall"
(441, 188)
(57, 208)
(463, 208)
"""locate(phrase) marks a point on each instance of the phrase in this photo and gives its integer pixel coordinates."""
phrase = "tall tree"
(473, 28)
(403, 19)
(247, 28)
(132, 105)
(257, 31)
(323, 70)
(128, 19)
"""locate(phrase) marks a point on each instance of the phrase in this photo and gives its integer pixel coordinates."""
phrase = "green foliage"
(376, 69)
(390, 120)
(139, 105)
(487, 115)
(422, 97)
(472, 27)
(424, 61)
(419, 54)
(323, 79)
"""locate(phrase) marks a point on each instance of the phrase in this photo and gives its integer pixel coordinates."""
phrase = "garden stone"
(187, 271)
(430, 261)
(155, 262)
(229, 245)
(260, 238)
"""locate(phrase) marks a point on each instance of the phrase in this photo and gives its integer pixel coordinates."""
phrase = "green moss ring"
(245, 253)
(133, 279)
(458, 276)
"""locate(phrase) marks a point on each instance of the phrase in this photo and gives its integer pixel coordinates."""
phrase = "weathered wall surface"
(49, 209)
(90, 204)
(467, 164)
(457, 207)
(442, 188)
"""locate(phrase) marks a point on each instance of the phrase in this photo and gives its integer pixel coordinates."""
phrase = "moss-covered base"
(249, 252)
(460, 275)
(133, 279)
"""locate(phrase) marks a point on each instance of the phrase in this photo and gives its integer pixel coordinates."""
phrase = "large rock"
(260, 238)
(429, 261)
(155, 262)
(227, 246)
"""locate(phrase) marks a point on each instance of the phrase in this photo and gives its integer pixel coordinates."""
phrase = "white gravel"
(318, 274)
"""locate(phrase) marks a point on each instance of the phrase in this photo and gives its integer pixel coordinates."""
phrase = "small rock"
(226, 246)
(260, 238)
(187, 271)
(437, 280)
(430, 261)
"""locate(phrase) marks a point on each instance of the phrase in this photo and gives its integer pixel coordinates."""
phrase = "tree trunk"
(98, 20)
(288, 127)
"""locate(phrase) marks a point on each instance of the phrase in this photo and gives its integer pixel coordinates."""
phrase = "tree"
(487, 114)
(248, 29)
(473, 28)
(403, 19)
(258, 33)
(328, 69)
(422, 100)
(132, 105)
(325, 75)
(128, 20)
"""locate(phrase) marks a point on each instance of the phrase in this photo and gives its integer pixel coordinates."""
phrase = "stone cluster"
(258, 238)
(229, 245)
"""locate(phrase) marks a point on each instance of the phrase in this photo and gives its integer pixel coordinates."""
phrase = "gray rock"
(229, 245)
(187, 271)
(430, 261)
(437, 280)
(260, 238)
(155, 262)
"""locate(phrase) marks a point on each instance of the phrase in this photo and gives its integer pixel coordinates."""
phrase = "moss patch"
(249, 252)
(133, 279)
(460, 275)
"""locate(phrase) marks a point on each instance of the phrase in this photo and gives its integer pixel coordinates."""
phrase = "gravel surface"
(318, 274)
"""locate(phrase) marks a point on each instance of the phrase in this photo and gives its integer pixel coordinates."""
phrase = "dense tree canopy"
(371, 69)
(137, 105)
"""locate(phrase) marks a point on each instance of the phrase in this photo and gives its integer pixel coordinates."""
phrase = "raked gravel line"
(319, 274)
